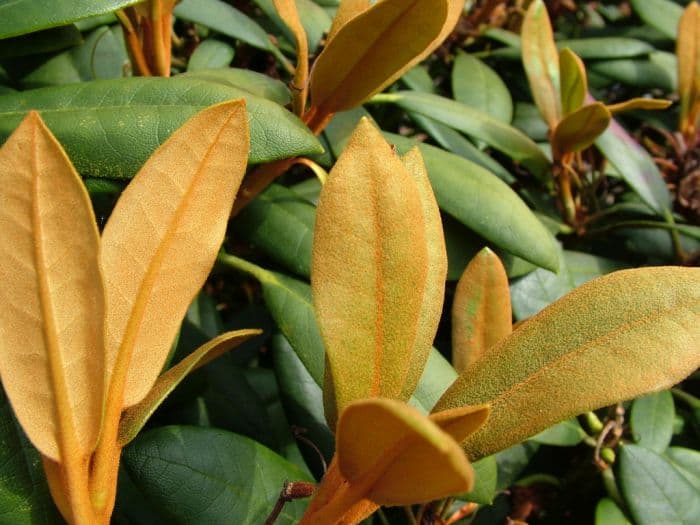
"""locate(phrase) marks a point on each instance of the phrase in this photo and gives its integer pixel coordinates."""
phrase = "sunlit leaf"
(481, 312)
(399, 453)
(367, 219)
(136, 416)
(541, 61)
(688, 53)
(461, 422)
(347, 10)
(51, 333)
(597, 345)
(162, 237)
(373, 49)
(579, 129)
(433, 292)
(574, 83)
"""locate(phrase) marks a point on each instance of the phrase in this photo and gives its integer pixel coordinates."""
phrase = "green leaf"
(211, 54)
(574, 83)
(613, 327)
(46, 41)
(651, 420)
(101, 56)
(658, 71)
(19, 17)
(486, 475)
(281, 224)
(477, 85)
(565, 434)
(654, 490)
(225, 19)
(636, 167)
(606, 47)
(303, 402)
(474, 123)
(608, 513)
(687, 462)
(289, 303)
(541, 62)
(498, 215)
(135, 417)
(659, 14)
(438, 375)
(110, 127)
(251, 81)
(24, 494)
(579, 129)
(206, 475)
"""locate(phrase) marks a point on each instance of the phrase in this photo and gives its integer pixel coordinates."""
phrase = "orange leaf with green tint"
(162, 239)
(688, 53)
(347, 10)
(433, 292)
(541, 62)
(287, 9)
(481, 311)
(579, 129)
(639, 103)
(574, 83)
(398, 454)
(614, 338)
(369, 257)
(372, 49)
(134, 418)
(51, 339)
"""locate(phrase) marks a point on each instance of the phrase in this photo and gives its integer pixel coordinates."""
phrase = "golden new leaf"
(688, 53)
(162, 238)
(51, 339)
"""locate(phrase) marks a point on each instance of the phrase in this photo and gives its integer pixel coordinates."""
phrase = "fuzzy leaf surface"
(52, 353)
(168, 224)
(614, 338)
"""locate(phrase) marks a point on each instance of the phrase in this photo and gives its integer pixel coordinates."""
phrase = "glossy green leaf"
(90, 120)
(367, 219)
(101, 56)
(24, 495)
(565, 434)
(206, 475)
(49, 40)
(574, 83)
(210, 54)
(608, 513)
(481, 311)
(225, 19)
(579, 129)
(437, 376)
(541, 62)
(135, 417)
(280, 223)
(662, 15)
(245, 79)
(658, 71)
(477, 85)
(474, 123)
(654, 490)
(601, 327)
(511, 226)
(486, 474)
(606, 47)
(19, 17)
(651, 421)
(636, 167)
(289, 303)
(401, 455)
(687, 462)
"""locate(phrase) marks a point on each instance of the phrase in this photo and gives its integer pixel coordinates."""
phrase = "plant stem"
(133, 46)
(160, 19)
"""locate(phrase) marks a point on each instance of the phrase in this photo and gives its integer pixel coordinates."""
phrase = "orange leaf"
(287, 10)
(579, 129)
(51, 339)
(347, 10)
(688, 53)
(541, 61)
(162, 239)
(481, 311)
